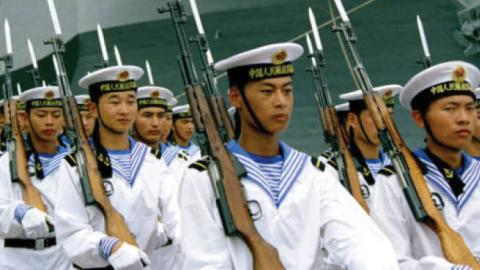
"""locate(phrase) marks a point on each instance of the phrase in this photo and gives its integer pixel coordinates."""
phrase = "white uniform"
(417, 247)
(80, 228)
(368, 187)
(193, 151)
(311, 206)
(170, 257)
(10, 197)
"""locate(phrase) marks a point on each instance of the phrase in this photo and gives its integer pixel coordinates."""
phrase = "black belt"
(37, 244)
(101, 268)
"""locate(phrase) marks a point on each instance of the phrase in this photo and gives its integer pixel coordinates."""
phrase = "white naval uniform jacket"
(10, 197)
(170, 257)
(81, 227)
(417, 246)
(194, 152)
(311, 206)
(368, 189)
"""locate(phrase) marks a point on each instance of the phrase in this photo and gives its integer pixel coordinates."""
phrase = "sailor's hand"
(128, 257)
(35, 223)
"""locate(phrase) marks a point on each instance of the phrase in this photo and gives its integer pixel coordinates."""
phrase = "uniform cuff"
(20, 211)
(106, 245)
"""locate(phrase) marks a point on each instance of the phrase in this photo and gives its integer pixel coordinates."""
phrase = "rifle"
(426, 61)
(406, 167)
(34, 71)
(224, 170)
(333, 131)
(103, 48)
(18, 160)
(90, 178)
(220, 111)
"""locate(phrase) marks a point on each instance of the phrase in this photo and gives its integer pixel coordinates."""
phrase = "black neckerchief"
(103, 159)
(360, 163)
(36, 160)
(455, 183)
(3, 139)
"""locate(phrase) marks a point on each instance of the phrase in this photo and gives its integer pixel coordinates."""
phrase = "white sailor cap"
(82, 102)
(39, 97)
(442, 80)
(387, 92)
(477, 93)
(111, 79)
(153, 96)
(20, 105)
(264, 62)
(344, 107)
(182, 111)
(171, 103)
(477, 98)
(342, 111)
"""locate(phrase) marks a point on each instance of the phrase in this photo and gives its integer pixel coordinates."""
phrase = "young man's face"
(452, 120)
(364, 128)
(184, 128)
(149, 124)
(167, 126)
(45, 124)
(118, 110)
(88, 120)
(271, 101)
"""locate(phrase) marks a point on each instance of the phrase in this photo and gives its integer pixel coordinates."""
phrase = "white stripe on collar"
(50, 164)
(130, 170)
(470, 176)
(293, 165)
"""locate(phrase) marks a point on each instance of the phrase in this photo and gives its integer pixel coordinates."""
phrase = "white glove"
(34, 223)
(128, 257)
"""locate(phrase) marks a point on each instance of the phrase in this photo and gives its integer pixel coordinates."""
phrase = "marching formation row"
(112, 179)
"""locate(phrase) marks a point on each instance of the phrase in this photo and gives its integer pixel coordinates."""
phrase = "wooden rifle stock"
(453, 245)
(226, 118)
(350, 167)
(114, 223)
(265, 256)
(30, 193)
(346, 168)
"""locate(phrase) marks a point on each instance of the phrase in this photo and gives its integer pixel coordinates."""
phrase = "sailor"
(136, 182)
(88, 116)
(342, 111)
(365, 145)
(293, 199)
(167, 128)
(30, 241)
(473, 149)
(148, 127)
(183, 129)
(442, 102)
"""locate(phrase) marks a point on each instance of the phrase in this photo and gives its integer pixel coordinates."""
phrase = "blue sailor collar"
(294, 162)
(469, 174)
(168, 152)
(191, 149)
(49, 162)
(136, 155)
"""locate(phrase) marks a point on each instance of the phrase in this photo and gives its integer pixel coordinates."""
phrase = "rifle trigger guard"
(254, 209)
